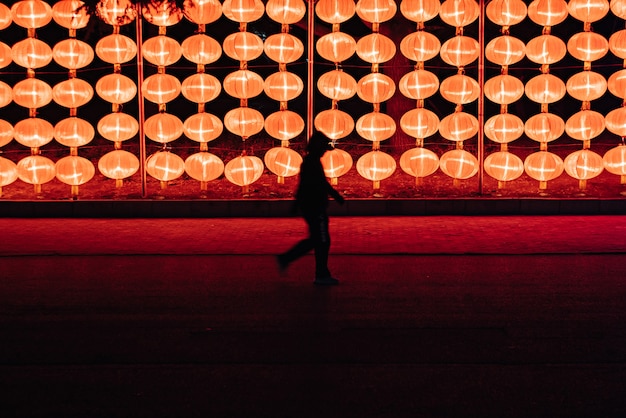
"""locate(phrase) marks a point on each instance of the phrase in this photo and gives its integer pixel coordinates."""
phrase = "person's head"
(319, 144)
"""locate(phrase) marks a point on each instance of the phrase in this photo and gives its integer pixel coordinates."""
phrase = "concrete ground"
(439, 316)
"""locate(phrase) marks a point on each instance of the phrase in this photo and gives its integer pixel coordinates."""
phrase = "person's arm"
(334, 193)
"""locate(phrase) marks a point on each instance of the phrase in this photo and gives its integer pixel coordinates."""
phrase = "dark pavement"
(434, 317)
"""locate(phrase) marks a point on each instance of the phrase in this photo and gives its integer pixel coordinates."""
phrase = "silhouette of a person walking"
(312, 202)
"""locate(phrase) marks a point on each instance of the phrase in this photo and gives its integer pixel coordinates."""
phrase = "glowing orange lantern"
(545, 88)
(459, 126)
(118, 165)
(286, 12)
(36, 170)
(376, 166)
(6, 132)
(588, 10)
(72, 93)
(73, 132)
(618, 7)
(615, 121)
(585, 125)
(336, 46)
(116, 49)
(337, 85)
(547, 13)
(334, 123)
(419, 123)
(244, 170)
(505, 50)
(245, 11)
(31, 14)
(5, 16)
(546, 49)
(504, 166)
(284, 125)
(118, 127)
(165, 166)
(586, 86)
(33, 132)
(243, 46)
(163, 127)
(506, 12)
(459, 51)
(617, 43)
(419, 84)
(504, 89)
(336, 163)
(162, 50)
(617, 84)
(419, 163)
(375, 48)
(376, 88)
(376, 126)
(420, 46)
(74, 171)
(283, 86)
(504, 128)
(8, 173)
(116, 88)
(204, 167)
(283, 161)
(587, 46)
(32, 93)
(202, 12)
(203, 127)
(201, 88)
(70, 14)
(72, 53)
(544, 127)
(458, 164)
(459, 89)
(5, 55)
(243, 84)
(161, 88)
(583, 165)
(283, 47)
(615, 161)
(459, 13)
(376, 11)
(116, 12)
(244, 121)
(31, 53)
(335, 11)
(164, 13)
(543, 166)
(6, 94)
(201, 49)
(420, 10)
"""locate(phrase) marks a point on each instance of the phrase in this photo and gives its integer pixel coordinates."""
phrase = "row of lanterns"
(337, 85)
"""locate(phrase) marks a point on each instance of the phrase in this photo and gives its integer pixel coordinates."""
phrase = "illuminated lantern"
(31, 53)
(337, 85)
(118, 165)
(70, 14)
(459, 13)
(543, 166)
(5, 16)
(335, 11)
(203, 127)
(376, 166)
(245, 11)
(201, 49)
(617, 84)
(284, 125)
(116, 49)
(420, 46)
(504, 89)
(31, 14)
(459, 51)
(419, 84)
(544, 127)
(116, 88)
(73, 132)
(615, 162)
(376, 11)
(583, 165)
(6, 94)
(283, 47)
(5, 55)
(202, 12)
(334, 123)
(618, 7)
(419, 123)
(375, 88)
(161, 88)
(283, 161)
(615, 121)
(546, 49)
(204, 167)
(285, 11)
(32, 93)
(588, 10)
(162, 50)
(6, 132)
(585, 125)
(545, 88)
(617, 44)
(505, 50)
(116, 12)
(118, 127)
(336, 46)
(244, 121)
(36, 170)
(419, 163)
(163, 127)
(420, 10)
(163, 13)
(74, 171)
(243, 46)
(33, 132)
(586, 86)
(165, 166)
(8, 173)
(72, 93)
(283, 86)
(201, 88)
(376, 126)
(504, 166)
(506, 12)
(587, 46)
(375, 48)
(336, 163)
(459, 126)
(504, 128)
(243, 171)
(459, 89)
(458, 164)
(72, 53)
(547, 12)
(243, 84)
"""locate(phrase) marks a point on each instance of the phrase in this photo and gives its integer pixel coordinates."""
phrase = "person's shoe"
(282, 264)
(325, 281)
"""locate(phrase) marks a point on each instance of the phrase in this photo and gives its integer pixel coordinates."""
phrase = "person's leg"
(321, 241)
(301, 248)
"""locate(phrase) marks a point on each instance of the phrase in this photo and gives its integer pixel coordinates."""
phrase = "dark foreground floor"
(435, 332)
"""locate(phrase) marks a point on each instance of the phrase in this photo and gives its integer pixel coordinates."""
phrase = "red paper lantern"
(116, 49)
(243, 46)
(36, 169)
(161, 88)
(70, 14)
(284, 125)
(162, 50)
(459, 13)
(419, 84)
(118, 127)
(376, 166)
(283, 48)
(165, 166)
(204, 166)
(615, 160)
(376, 126)
(504, 128)
(336, 46)
(505, 50)
(31, 53)
(243, 84)
(420, 46)
(583, 164)
(376, 88)
(243, 10)
(546, 49)
(543, 166)
(162, 13)
(74, 170)
(6, 94)
(201, 49)
(420, 10)
(544, 127)
(419, 162)
(586, 86)
(31, 14)
(72, 53)
(202, 12)
(545, 88)
(615, 121)
(419, 123)
(5, 55)
(337, 85)
(116, 12)
(336, 163)
(74, 132)
(585, 125)
(547, 13)
(116, 88)
(375, 48)
(201, 88)
(588, 10)
(33, 132)
(504, 89)
(335, 11)
(244, 121)
(163, 127)
(118, 164)
(504, 166)
(588, 46)
(203, 127)
(244, 170)
(334, 123)
(286, 12)
(5, 16)
(8, 172)
(376, 11)
(460, 51)
(506, 12)
(283, 86)
(459, 126)
(6, 132)
(459, 89)
(72, 93)
(32, 93)
(283, 161)
(458, 164)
